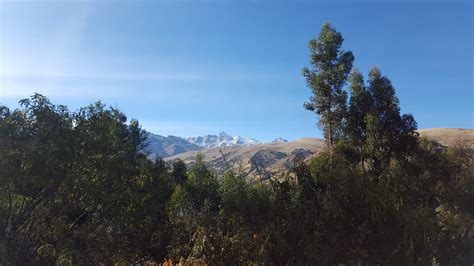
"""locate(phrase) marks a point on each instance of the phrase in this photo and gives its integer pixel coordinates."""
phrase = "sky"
(191, 68)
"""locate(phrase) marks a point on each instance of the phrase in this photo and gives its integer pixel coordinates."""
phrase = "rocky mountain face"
(279, 140)
(222, 139)
(158, 146)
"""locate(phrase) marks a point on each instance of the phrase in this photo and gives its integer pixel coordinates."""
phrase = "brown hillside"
(277, 156)
(447, 136)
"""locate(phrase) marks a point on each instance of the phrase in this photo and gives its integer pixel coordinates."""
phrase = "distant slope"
(263, 157)
(280, 155)
(162, 147)
(447, 136)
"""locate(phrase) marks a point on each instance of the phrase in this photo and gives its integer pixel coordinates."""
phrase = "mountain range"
(222, 139)
(255, 157)
(158, 146)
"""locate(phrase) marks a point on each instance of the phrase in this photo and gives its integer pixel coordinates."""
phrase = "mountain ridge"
(275, 156)
(180, 147)
(222, 139)
(158, 146)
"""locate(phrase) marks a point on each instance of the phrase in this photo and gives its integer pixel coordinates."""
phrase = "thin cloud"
(100, 76)
(17, 91)
(128, 76)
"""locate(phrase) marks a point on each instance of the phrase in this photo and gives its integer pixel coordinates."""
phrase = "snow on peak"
(221, 139)
(279, 140)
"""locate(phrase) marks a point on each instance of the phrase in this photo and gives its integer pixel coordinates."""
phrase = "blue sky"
(195, 67)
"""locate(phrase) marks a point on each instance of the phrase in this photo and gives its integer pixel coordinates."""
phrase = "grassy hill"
(273, 157)
(447, 136)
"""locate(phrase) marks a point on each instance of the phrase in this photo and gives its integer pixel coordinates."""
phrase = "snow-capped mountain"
(279, 140)
(222, 139)
(158, 146)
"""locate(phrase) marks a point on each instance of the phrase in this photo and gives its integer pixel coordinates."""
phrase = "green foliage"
(389, 134)
(360, 105)
(375, 132)
(330, 69)
(76, 188)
